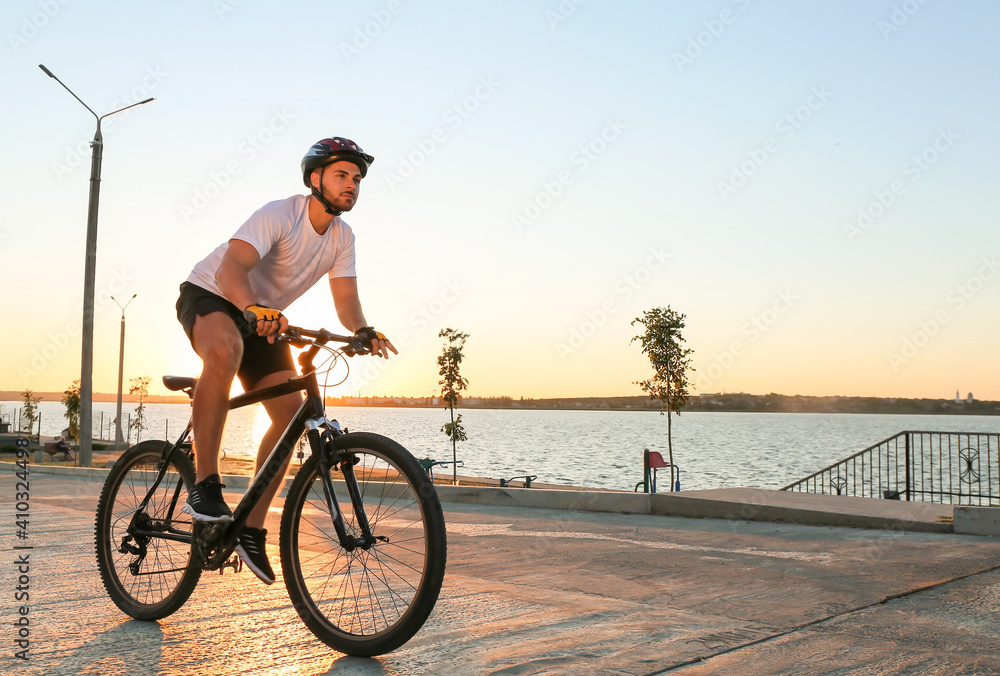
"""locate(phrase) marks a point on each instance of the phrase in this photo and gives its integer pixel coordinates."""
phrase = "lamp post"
(119, 441)
(89, 275)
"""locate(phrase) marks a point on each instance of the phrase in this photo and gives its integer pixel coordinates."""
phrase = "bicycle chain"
(207, 551)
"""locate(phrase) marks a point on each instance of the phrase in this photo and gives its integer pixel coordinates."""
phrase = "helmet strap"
(322, 200)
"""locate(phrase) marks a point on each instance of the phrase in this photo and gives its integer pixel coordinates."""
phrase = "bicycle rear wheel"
(367, 601)
(147, 576)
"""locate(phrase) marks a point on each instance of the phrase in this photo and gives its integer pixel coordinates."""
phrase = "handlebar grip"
(301, 337)
(355, 347)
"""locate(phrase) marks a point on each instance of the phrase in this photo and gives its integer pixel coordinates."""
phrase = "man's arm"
(345, 299)
(233, 277)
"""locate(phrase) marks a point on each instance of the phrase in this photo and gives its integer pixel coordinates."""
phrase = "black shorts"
(260, 357)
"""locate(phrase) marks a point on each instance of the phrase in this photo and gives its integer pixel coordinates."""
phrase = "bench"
(429, 465)
(52, 448)
(528, 478)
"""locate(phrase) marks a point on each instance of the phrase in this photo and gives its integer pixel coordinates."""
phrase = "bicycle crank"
(208, 548)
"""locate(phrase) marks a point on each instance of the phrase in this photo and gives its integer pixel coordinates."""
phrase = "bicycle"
(363, 570)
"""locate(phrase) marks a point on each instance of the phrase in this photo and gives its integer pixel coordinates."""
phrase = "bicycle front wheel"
(371, 600)
(144, 553)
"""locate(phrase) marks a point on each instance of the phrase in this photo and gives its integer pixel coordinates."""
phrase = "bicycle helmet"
(326, 152)
(331, 150)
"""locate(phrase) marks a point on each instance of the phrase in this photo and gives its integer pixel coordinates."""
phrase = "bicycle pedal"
(205, 544)
(208, 531)
(236, 563)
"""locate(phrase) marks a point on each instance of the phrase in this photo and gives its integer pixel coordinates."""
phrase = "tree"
(452, 383)
(30, 412)
(663, 342)
(139, 386)
(71, 400)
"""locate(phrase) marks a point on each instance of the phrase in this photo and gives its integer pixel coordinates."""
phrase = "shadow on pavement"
(133, 648)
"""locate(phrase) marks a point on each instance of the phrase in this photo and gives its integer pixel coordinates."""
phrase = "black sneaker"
(205, 502)
(253, 551)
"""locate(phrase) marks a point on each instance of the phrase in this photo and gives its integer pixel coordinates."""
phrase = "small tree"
(452, 383)
(30, 412)
(71, 400)
(139, 386)
(662, 343)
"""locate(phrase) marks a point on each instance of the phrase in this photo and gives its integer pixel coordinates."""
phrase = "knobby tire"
(165, 577)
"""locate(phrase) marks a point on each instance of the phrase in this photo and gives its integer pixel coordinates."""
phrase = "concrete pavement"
(531, 590)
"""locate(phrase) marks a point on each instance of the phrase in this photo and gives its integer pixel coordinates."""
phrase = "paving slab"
(543, 591)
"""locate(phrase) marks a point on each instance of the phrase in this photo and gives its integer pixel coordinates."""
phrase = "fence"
(946, 467)
(104, 427)
(14, 423)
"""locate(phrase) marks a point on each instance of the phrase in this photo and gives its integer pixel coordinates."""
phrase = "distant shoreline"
(15, 397)
(721, 403)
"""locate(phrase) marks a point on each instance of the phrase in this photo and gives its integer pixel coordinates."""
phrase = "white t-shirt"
(293, 257)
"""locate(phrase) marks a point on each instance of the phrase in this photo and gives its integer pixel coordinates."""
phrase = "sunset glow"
(810, 183)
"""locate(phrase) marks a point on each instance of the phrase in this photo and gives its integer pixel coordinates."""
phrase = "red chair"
(656, 460)
(653, 460)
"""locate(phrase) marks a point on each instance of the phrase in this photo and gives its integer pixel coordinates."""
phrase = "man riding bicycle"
(275, 257)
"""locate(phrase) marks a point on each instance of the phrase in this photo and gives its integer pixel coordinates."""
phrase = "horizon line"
(133, 398)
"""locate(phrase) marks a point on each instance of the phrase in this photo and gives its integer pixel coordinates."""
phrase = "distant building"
(970, 398)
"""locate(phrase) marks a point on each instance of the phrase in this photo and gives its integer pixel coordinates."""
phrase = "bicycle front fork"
(330, 459)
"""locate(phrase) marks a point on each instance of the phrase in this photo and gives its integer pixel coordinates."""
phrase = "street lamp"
(89, 275)
(119, 441)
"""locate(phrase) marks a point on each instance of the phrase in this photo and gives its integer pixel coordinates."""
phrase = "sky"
(811, 184)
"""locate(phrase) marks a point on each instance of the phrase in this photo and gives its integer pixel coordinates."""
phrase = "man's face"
(341, 184)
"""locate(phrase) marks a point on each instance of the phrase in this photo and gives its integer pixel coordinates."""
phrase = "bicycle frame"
(310, 419)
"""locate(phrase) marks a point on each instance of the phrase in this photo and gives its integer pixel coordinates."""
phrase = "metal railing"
(947, 467)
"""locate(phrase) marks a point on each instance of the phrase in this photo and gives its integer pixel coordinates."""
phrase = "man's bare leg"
(217, 341)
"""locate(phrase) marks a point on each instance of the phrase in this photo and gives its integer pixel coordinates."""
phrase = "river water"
(598, 449)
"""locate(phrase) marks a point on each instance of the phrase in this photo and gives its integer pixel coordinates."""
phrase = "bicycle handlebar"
(300, 337)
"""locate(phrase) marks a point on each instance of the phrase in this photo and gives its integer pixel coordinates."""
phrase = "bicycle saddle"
(175, 383)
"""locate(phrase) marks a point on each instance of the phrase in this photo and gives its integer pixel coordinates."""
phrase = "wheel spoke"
(372, 599)
(165, 578)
